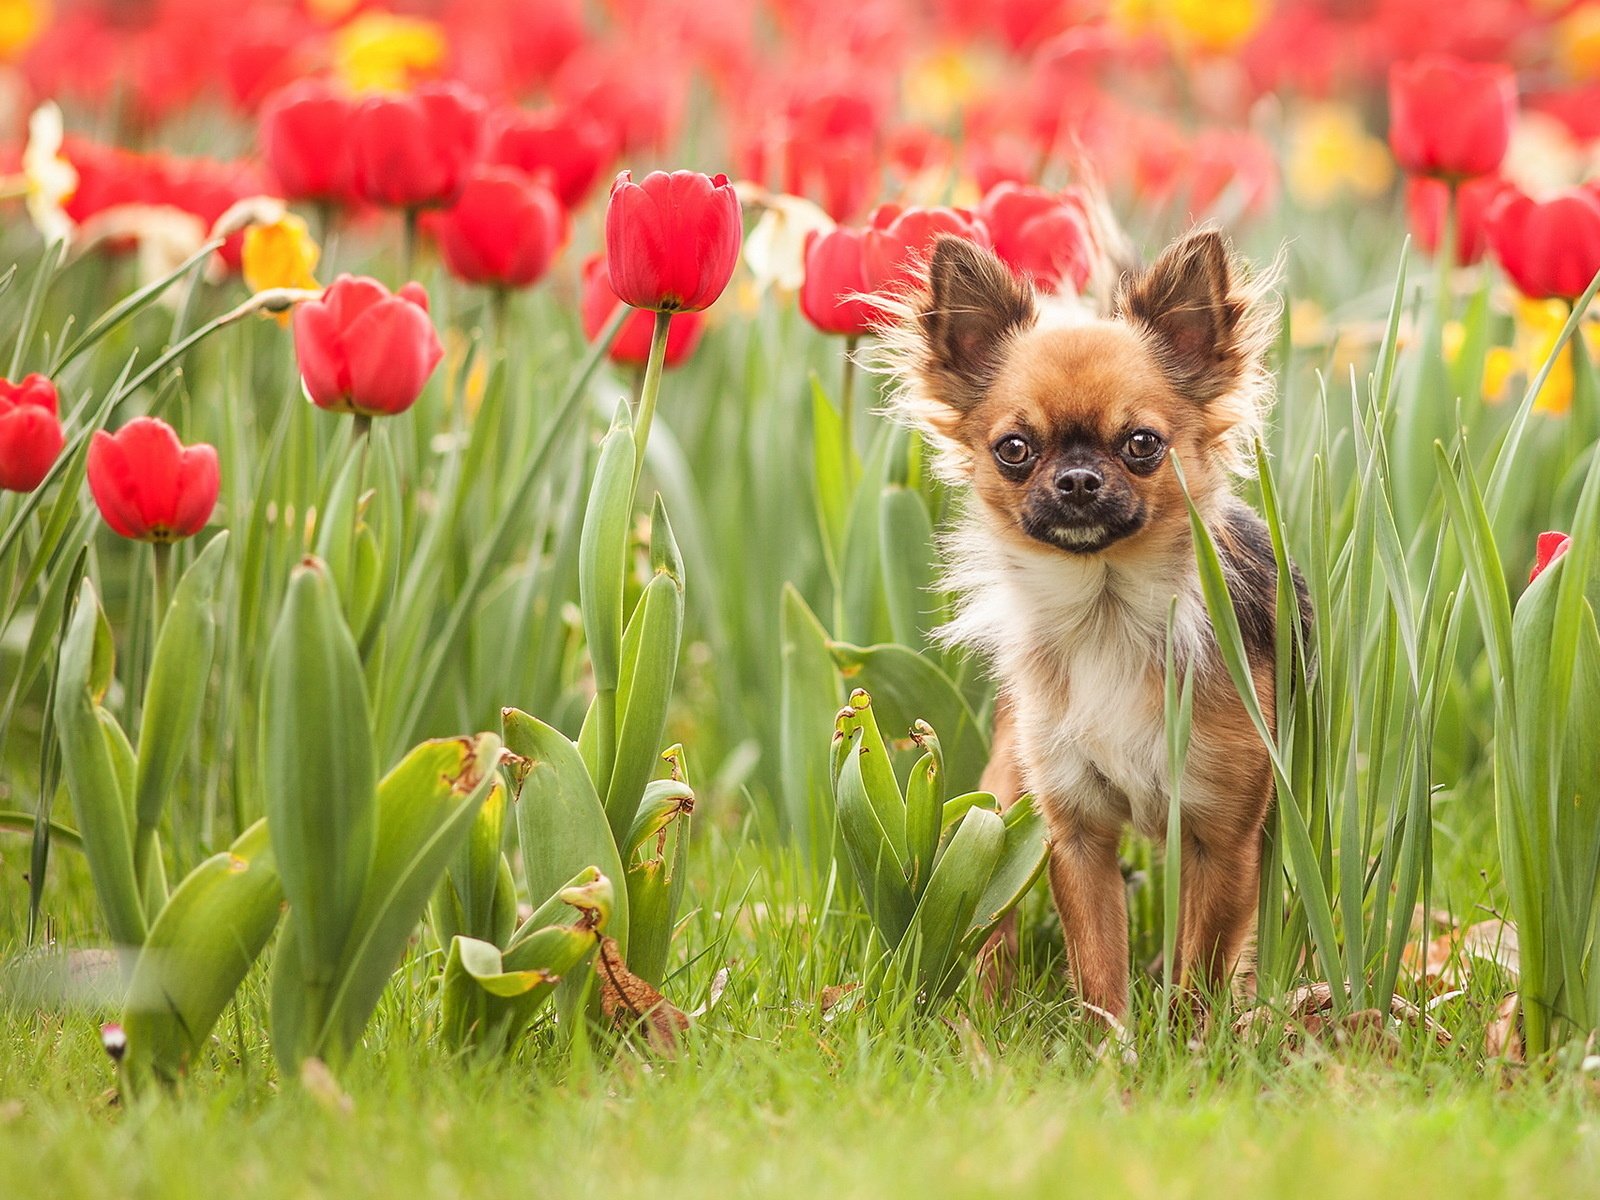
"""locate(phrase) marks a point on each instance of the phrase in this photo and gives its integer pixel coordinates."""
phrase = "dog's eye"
(1143, 444)
(1013, 451)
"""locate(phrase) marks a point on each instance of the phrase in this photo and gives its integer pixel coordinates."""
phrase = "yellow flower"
(1578, 42)
(1331, 153)
(1538, 325)
(379, 51)
(1213, 25)
(1134, 17)
(940, 86)
(281, 254)
(21, 22)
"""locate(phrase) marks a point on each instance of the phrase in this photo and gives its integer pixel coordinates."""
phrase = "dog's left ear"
(1187, 303)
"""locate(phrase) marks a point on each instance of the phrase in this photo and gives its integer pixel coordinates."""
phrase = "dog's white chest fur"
(1081, 646)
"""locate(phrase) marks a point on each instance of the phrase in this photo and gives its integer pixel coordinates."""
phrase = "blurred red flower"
(672, 240)
(1449, 117)
(30, 432)
(631, 347)
(503, 232)
(149, 485)
(363, 350)
(1040, 234)
(1551, 247)
(899, 240)
(1475, 198)
(304, 134)
(566, 144)
(414, 150)
(835, 275)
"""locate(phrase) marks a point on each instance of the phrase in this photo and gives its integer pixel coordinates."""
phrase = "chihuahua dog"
(1060, 427)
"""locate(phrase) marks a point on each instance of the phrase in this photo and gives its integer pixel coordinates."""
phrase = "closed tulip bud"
(1475, 200)
(503, 232)
(415, 150)
(1548, 548)
(899, 241)
(1039, 234)
(835, 280)
(631, 347)
(304, 135)
(364, 350)
(1449, 117)
(672, 241)
(1550, 247)
(566, 144)
(149, 485)
(30, 432)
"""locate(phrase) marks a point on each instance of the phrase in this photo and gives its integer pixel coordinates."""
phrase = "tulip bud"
(30, 432)
(631, 346)
(1449, 117)
(565, 144)
(503, 232)
(1549, 547)
(899, 241)
(835, 279)
(364, 350)
(672, 241)
(149, 485)
(1549, 247)
(305, 139)
(414, 150)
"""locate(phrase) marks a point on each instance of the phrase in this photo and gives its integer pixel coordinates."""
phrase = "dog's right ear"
(972, 307)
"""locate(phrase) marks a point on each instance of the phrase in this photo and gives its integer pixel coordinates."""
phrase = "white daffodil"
(50, 179)
(776, 248)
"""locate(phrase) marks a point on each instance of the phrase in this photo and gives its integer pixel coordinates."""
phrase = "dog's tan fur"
(1072, 617)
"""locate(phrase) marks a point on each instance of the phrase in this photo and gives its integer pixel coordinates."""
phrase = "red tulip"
(503, 232)
(899, 240)
(1549, 547)
(149, 486)
(1475, 198)
(305, 138)
(1449, 117)
(415, 150)
(1550, 248)
(30, 432)
(572, 147)
(672, 241)
(835, 274)
(363, 350)
(631, 347)
(1040, 234)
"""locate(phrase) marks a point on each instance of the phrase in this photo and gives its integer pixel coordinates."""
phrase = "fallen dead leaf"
(1446, 961)
(1308, 1013)
(1503, 1038)
(322, 1087)
(719, 984)
(628, 1000)
(832, 994)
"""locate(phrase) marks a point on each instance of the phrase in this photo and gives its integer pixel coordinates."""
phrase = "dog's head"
(1065, 431)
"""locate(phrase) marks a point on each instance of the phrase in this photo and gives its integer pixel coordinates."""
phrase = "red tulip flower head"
(30, 432)
(899, 241)
(149, 485)
(1475, 200)
(363, 350)
(414, 150)
(305, 139)
(672, 241)
(1549, 547)
(836, 277)
(503, 232)
(1449, 117)
(631, 347)
(1040, 234)
(565, 143)
(1551, 247)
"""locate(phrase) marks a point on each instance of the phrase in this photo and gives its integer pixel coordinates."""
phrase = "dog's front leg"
(1086, 880)
(1220, 878)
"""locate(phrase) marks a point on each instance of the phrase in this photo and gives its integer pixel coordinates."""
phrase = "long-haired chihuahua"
(1060, 425)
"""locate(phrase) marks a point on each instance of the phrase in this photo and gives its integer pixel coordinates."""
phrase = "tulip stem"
(1447, 248)
(645, 415)
(408, 244)
(500, 317)
(360, 430)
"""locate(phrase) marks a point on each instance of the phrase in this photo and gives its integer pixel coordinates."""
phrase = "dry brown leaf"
(1307, 1012)
(627, 1000)
(322, 1087)
(1503, 1038)
(1446, 961)
(832, 994)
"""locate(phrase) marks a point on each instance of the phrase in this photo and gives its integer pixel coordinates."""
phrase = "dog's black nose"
(1078, 484)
